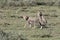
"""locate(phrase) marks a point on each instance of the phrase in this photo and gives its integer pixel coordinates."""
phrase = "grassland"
(11, 23)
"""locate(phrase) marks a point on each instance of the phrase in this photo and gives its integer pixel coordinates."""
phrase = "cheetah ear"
(27, 17)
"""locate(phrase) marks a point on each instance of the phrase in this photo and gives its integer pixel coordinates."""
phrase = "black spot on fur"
(27, 18)
(40, 14)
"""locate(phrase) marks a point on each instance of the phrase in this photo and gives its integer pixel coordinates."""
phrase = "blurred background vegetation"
(12, 27)
(15, 3)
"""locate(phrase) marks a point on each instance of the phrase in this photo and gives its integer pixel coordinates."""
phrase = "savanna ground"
(10, 22)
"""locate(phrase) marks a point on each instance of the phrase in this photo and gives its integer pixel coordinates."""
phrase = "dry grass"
(10, 22)
(16, 3)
